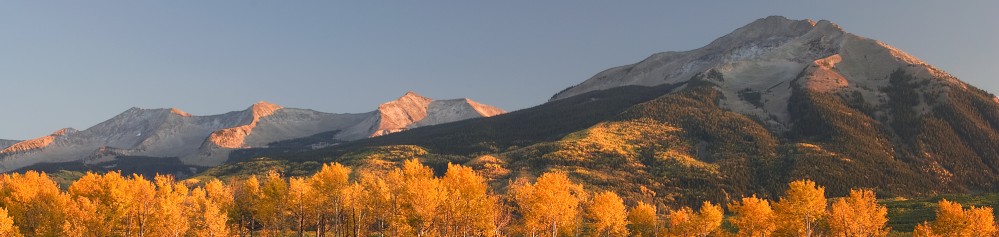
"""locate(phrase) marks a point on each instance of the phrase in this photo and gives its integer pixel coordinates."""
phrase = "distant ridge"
(207, 140)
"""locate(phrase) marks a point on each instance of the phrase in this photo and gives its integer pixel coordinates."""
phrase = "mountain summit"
(207, 140)
(755, 66)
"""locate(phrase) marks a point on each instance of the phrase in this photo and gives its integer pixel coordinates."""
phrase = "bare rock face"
(207, 140)
(398, 114)
(233, 137)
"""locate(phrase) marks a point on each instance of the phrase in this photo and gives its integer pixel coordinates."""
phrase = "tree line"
(411, 201)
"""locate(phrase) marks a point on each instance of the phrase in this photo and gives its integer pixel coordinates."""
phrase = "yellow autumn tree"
(7, 227)
(34, 202)
(709, 218)
(81, 219)
(246, 194)
(468, 208)
(858, 215)
(354, 203)
(953, 220)
(110, 194)
(221, 197)
(301, 204)
(330, 181)
(643, 221)
(800, 209)
(397, 216)
(207, 218)
(271, 206)
(142, 195)
(171, 213)
(753, 217)
(377, 201)
(550, 206)
(423, 197)
(607, 216)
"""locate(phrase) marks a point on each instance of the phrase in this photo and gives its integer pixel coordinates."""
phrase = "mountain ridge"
(203, 140)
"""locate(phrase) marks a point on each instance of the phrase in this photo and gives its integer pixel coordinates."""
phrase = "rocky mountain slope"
(773, 101)
(207, 140)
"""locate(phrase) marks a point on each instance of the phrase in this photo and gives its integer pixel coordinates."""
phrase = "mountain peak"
(264, 109)
(64, 131)
(411, 94)
(179, 112)
(771, 29)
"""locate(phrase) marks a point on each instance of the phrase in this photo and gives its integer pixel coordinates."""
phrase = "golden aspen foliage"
(354, 206)
(170, 208)
(982, 221)
(607, 216)
(643, 221)
(110, 195)
(953, 220)
(34, 202)
(7, 227)
(216, 221)
(550, 206)
(271, 206)
(80, 220)
(753, 217)
(709, 219)
(680, 222)
(423, 197)
(800, 209)
(398, 223)
(246, 194)
(206, 218)
(378, 201)
(923, 230)
(221, 198)
(858, 215)
(330, 181)
(220, 194)
(469, 209)
(686, 222)
(301, 204)
(142, 195)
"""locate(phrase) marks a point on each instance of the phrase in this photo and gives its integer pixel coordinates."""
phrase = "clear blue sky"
(77, 63)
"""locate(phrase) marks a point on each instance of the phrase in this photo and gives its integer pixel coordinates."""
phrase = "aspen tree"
(550, 206)
(753, 217)
(643, 220)
(607, 215)
(858, 215)
(801, 208)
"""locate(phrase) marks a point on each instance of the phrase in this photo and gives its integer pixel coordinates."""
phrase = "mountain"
(773, 101)
(207, 140)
